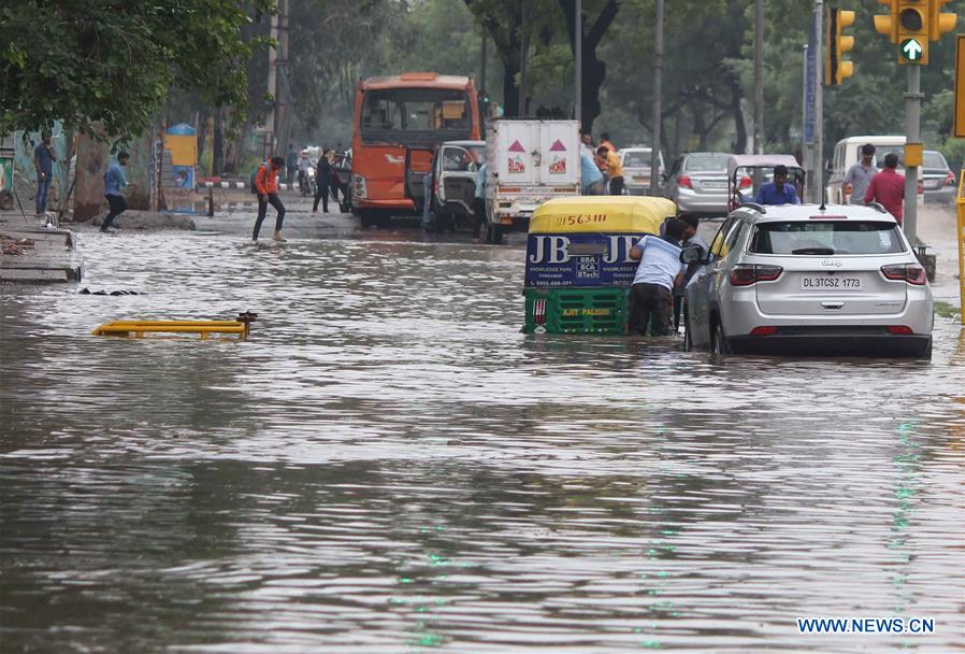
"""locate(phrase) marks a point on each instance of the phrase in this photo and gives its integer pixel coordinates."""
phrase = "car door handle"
(832, 306)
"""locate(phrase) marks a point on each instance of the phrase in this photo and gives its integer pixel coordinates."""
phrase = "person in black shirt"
(323, 179)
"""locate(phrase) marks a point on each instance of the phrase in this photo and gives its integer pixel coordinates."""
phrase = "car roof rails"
(759, 208)
(877, 206)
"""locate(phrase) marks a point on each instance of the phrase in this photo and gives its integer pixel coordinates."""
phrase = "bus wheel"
(494, 234)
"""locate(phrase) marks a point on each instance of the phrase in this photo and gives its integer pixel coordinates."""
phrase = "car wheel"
(924, 352)
(719, 339)
(494, 234)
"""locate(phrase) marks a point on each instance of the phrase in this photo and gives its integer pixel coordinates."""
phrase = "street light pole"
(578, 56)
(657, 109)
(759, 77)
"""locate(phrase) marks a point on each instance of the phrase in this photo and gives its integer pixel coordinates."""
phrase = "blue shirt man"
(778, 191)
(114, 181)
(591, 179)
(44, 158)
(481, 183)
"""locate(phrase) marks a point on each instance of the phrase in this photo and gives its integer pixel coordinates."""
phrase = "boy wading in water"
(266, 185)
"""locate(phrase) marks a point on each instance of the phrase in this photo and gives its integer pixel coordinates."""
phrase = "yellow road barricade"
(239, 329)
(960, 237)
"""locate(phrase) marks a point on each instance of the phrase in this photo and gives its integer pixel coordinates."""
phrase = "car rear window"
(699, 163)
(934, 160)
(827, 237)
(637, 160)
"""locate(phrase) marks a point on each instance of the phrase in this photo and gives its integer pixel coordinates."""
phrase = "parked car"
(840, 280)
(938, 180)
(697, 183)
(636, 162)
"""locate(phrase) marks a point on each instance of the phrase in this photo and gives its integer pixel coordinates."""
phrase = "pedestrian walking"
(614, 169)
(860, 174)
(266, 185)
(888, 188)
(651, 295)
(114, 181)
(291, 163)
(44, 156)
(323, 180)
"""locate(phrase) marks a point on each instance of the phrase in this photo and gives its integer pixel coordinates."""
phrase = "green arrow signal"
(912, 49)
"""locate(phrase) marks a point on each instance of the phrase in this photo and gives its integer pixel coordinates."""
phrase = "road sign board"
(959, 123)
(911, 49)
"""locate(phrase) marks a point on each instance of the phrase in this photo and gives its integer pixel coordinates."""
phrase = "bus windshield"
(415, 115)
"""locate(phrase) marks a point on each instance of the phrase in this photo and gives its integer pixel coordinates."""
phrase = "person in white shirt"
(651, 296)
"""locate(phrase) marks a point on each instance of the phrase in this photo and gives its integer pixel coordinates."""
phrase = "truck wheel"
(494, 234)
(367, 219)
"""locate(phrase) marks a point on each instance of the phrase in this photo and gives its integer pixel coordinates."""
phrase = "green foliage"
(105, 68)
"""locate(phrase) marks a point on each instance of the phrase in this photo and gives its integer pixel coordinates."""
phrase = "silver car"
(697, 183)
(839, 280)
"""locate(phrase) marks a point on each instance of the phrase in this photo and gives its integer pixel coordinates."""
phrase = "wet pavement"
(389, 465)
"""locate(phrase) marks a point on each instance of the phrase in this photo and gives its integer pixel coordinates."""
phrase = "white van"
(848, 152)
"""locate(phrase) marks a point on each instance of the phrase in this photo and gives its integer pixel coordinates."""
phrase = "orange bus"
(399, 121)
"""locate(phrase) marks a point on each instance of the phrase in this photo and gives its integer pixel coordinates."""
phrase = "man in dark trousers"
(266, 185)
(114, 181)
(323, 180)
(44, 158)
(888, 188)
(651, 296)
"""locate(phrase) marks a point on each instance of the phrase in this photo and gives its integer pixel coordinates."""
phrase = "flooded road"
(389, 465)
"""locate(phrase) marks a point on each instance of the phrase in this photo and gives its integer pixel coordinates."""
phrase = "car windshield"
(935, 160)
(638, 159)
(827, 237)
(701, 163)
(885, 150)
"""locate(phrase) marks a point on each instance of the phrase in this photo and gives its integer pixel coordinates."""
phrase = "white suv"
(824, 280)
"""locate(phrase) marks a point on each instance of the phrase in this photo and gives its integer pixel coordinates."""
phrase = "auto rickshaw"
(578, 265)
(747, 172)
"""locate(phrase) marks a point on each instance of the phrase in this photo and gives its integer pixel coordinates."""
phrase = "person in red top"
(266, 184)
(888, 188)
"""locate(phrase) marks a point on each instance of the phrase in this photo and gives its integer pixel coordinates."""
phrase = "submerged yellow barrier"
(239, 328)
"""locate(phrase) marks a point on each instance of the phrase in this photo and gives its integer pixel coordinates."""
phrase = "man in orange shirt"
(266, 185)
(614, 169)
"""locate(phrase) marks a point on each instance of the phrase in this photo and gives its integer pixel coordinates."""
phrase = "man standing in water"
(266, 184)
(114, 181)
(651, 296)
(44, 158)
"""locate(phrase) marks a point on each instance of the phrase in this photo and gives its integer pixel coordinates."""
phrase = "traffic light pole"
(818, 180)
(912, 135)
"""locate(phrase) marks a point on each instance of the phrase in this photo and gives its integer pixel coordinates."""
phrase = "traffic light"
(888, 25)
(836, 67)
(913, 31)
(939, 22)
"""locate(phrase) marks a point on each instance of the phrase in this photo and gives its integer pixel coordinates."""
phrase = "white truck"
(528, 161)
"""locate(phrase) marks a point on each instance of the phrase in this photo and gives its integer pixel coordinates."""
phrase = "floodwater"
(389, 465)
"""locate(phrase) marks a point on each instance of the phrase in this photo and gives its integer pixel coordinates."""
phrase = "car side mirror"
(692, 254)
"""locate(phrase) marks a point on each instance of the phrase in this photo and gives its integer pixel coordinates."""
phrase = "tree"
(594, 70)
(96, 65)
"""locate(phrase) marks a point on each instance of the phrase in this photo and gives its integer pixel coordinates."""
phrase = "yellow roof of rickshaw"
(618, 214)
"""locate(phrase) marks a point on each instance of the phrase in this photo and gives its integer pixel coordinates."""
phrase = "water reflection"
(389, 465)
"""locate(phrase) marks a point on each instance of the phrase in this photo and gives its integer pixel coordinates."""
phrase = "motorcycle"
(306, 181)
